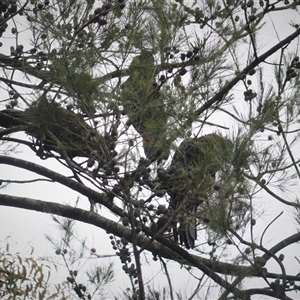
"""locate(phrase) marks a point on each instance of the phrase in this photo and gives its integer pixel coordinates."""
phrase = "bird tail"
(188, 233)
(187, 230)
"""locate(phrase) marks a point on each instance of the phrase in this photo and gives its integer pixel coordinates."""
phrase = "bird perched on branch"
(143, 104)
(55, 129)
(188, 181)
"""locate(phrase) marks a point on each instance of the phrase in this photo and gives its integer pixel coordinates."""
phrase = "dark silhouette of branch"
(23, 66)
(163, 247)
(103, 199)
(11, 82)
(174, 252)
(222, 92)
(295, 238)
(267, 292)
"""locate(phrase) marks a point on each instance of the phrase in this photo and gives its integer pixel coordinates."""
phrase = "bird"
(55, 129)
(188, 181)
(144, 106)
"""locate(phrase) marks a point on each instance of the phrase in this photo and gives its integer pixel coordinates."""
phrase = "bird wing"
(55, 128)
(196, 160)
(143, 104)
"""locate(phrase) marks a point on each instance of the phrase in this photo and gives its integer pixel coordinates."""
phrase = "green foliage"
(87, 278)
(26, 277)
(101, 276)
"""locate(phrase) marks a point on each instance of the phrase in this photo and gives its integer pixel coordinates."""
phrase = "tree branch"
(218, 96)
(295, 238)
(164, 247)
(103, 199)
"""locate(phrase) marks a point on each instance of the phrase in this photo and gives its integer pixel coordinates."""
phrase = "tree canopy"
(171, 118)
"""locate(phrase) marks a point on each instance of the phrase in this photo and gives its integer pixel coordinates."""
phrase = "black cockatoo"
(55, 129)
(143, 104)
(189, 179)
